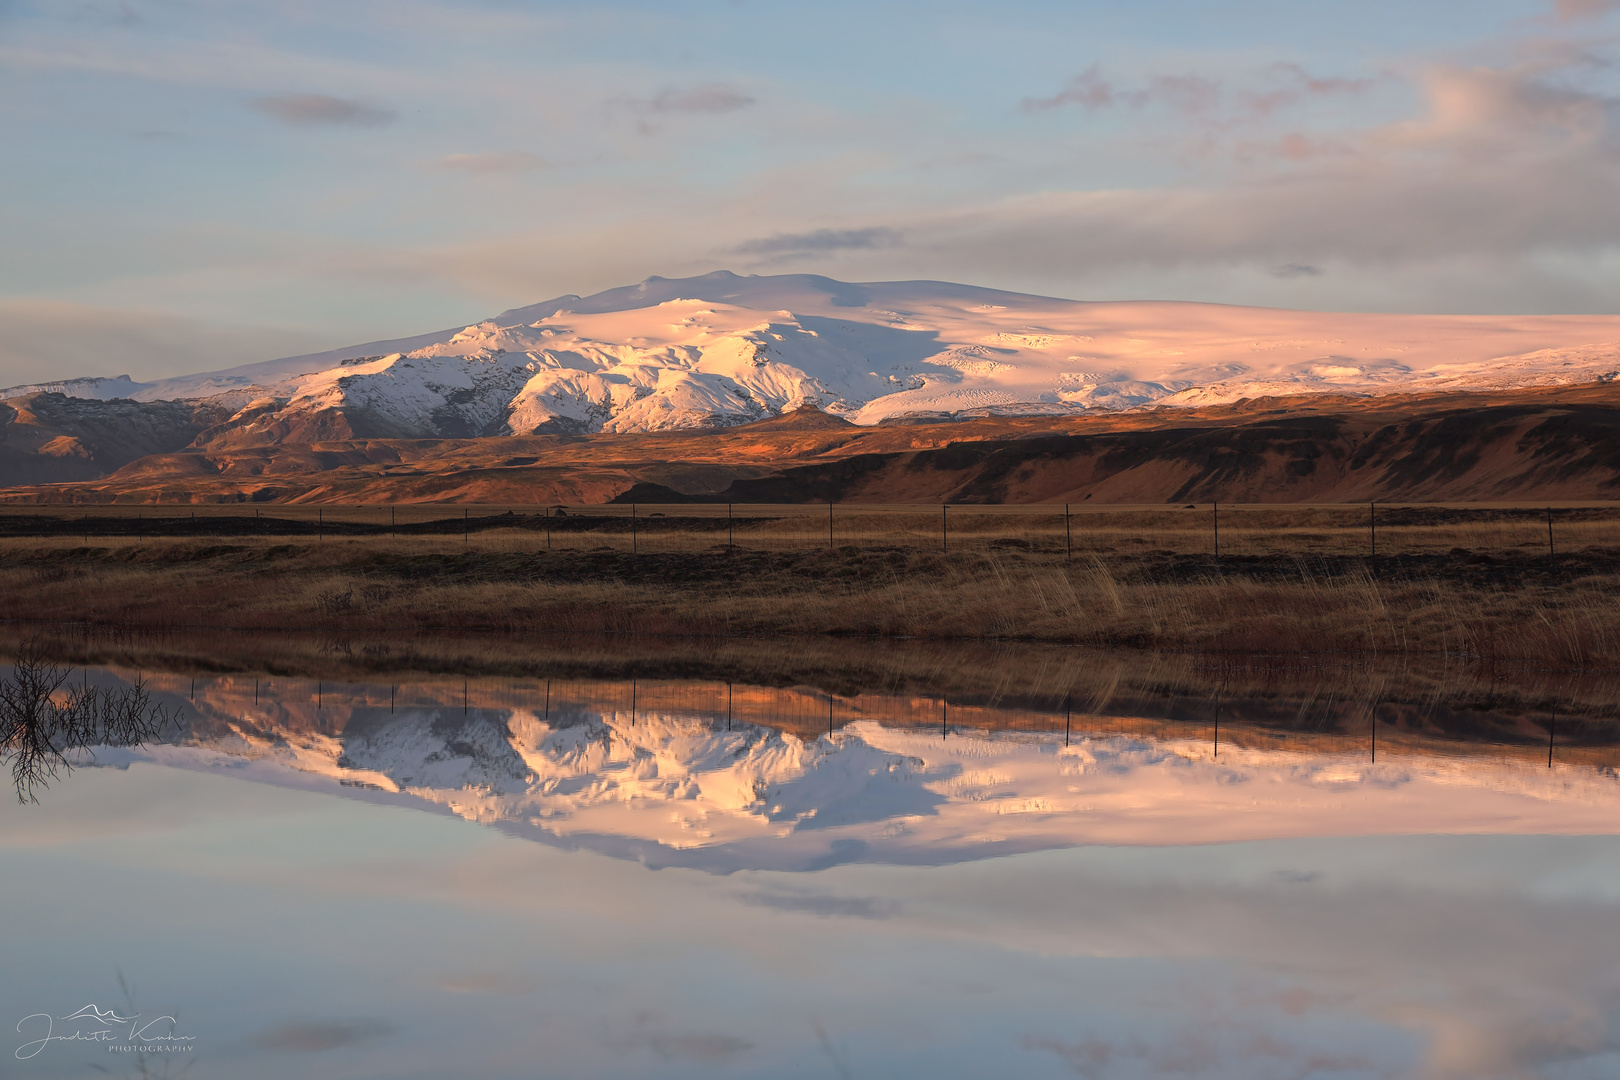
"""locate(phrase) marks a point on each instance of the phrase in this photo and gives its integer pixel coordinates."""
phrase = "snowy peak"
(720, 349)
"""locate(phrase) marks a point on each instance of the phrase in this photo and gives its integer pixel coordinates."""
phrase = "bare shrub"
(43, 720)
(332, 602)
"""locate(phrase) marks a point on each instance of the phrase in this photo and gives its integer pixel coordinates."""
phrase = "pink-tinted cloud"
(1522, 110)
(1499, 163)
(1572, 10)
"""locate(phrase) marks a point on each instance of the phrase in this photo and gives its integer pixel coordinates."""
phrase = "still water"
(668, 878)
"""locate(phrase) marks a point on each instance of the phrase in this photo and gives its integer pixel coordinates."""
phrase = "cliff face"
(1549, 443)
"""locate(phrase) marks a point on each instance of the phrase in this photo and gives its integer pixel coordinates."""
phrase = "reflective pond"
(571, 876)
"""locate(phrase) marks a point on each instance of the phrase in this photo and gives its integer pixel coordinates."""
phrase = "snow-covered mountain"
(721, 349)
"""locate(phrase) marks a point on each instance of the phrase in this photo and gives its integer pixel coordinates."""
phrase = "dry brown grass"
(1130, 584)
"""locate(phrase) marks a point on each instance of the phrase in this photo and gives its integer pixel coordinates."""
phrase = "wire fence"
(1346, 724)
(1225, 531)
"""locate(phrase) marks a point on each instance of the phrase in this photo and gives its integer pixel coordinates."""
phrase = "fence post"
(944, 530)
(1068, 538)
(1372, 526)
(829, 525)
(1550, 550)
(635, 548)
(1217, 507)
(730, 538)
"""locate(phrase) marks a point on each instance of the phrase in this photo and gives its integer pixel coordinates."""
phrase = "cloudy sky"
(192, 184)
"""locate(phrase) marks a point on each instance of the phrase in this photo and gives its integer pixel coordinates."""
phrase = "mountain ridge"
(719, 349)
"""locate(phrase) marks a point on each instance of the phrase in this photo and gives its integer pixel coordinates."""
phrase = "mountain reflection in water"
(943, 863)
(724, 777)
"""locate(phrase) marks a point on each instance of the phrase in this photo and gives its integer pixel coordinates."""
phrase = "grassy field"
(1477, 582)
(1201, 529)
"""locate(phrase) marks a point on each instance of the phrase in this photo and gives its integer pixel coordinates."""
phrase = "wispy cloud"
(711, 99)
(820, 242)
(708, 98)
(1210, 1047)
(1274, 88)
(1572, 10)
(1089, 90)
(313, 110)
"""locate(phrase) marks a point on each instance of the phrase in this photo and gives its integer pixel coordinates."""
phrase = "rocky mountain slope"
(52, 438)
